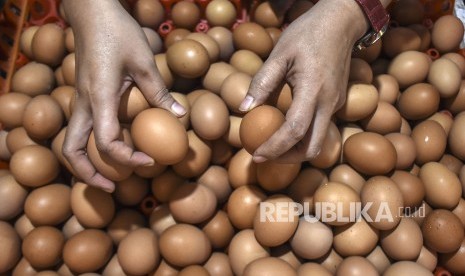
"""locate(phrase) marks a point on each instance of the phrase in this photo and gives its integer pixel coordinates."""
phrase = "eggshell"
(371, 53)
(360, 71)
(131, 191)
(275, 34)
(48, 205)
(312, 239)
(216, 75)
(443, 188)
(404, 242)
(11, 244)
(452, 163)
(185, 14)
(216, 178)
(197, 159)
(411, 187)
(313, 269)
(362, 151)
(285, 253)
(221, 152)
(5, 154)
(91, 206)
(267, 15)
(33, 79)
(400, 39)
(184, 244)
(425, 35)
(159, 125)
(124, 222)
(63, 95)
(188, 58)
(192, 203)
(43, 117)
(282, 100)
(87, 251)
(379, 259)
(68, 68)
(48, 44)
(161, 219)
(253, 37)
(303, 187)
(233, 136)
(447, 33)
(244, 249)
(12, 107)
(24, 268)
(430, 141)
(459, 211)
(273, 176)
(409, 67)
(69, 39)
(361, 101)
(234, 89)
(405, 149)
(132, 103)
(453, 262)
(218, 265)
(456, 135)
(34, 166)
(224, 38)
(355, 239)
(164, 70)
(380, 66)
(72, 227)
(150, 171)
(166, 269)
(330, 150)
(43, 247)
(25, 42)
(23, 226)
(219, 230)
(148, 13)
(343, 173)
(331, 261)
(165, 184)
(385, 202)
(113, 267)
(220, 13)
(12, 197)
(442, 231)
(242, 170)
(418, 101)
(428, 258)
(209, 117)
(269, 266)
(356, 265)
(242, 205)
(385, 119)
(445, 76)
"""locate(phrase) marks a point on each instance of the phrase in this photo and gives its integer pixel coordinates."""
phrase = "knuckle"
(161, 97)
(296, 130)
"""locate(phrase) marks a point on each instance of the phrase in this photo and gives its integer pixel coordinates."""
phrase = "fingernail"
(108, 189)
(246, 104)
(149, 164)
(259, 159)
(178, 109)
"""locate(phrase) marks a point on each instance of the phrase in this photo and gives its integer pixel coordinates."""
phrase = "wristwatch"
(379, 21)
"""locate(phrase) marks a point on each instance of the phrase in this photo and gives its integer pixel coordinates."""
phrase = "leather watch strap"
(375, 13)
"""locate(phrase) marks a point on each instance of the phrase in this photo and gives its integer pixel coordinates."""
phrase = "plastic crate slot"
(38, 8)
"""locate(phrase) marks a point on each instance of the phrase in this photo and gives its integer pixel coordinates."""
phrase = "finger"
(108, 132)
(298, 119)
(265, 82)
(74, 148)
(153, 88)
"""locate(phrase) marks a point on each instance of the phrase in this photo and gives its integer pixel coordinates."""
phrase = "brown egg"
(430, 141)
(12, 197)
(298, 8)
(87, 251)
(132, 103)
(244, 249)
(219, 230)
(42, 117)
(224, 38)
(447, 33)
(72, 227)
(380, 66)
(59, 78)
(459, 211)
(12, 107)
(175, 35)
(43, 247)
(148, 13)
(165, 184)
(404, 242)
(131, 191)
(268, 16)
(285, 253)
(341, 198)
(63, 95)
(208, 42)
(362, 151)
(346, 131)
(138, 252)
(405, 127)
(408, 12)
(25, 42)
(425, 35)
(184, 244)
(343, 173)
(427, 258)
(453, 261)
(161, 219)
(164, 70)
(216, 178)
(197, 159)
(269, 266)
(411, 187)
(456, 135)
(221, 152)
(379, 259)
(242, 170)
(48, 205)
(150, 171)
(194, 95)
(23, 268)
(331, 261)
(282, 100)
(273, 176)
(192, 203)
(124, 222)
(361, 101)
(194, 270)
(356, 265)
(10, 246)
(156, 124)
(155, 41)
(369, 54)
(259, 125)
(443, 188)
(33, 79)
(185, 14)
(221, 13)
(271, 227)
(442, 231)
(216, 75)
(405, 149)
(23, 226)
(452, 163)
(330, 150)
(384, 201)
(57, 148)
(445, 76)
(303, 187)
(48, 44)
(68, 68)
(360, 71)
(312, 239)
(355, 239)
(113, 268)
(400, 39)
(69, 40)
(242, 205)
(5, 154)
(188, 58)
(253, 37)
(91, 206)
(209, 117)
(313, 269)
(218, 265)
(234, 90)
(34, 166)
(274, 33)
(458, 59)
(418, 101)
(409, 67)
(165, 269)
(385, 119)
(104, 163)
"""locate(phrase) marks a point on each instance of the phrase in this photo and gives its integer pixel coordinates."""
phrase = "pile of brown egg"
(397, 140)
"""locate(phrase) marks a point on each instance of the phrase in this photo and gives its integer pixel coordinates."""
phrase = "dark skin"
(312, 55)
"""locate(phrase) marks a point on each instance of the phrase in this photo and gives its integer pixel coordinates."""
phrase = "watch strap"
(375, 12)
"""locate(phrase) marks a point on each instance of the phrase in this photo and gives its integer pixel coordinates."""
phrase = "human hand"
(112, 52)
(313, 55)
